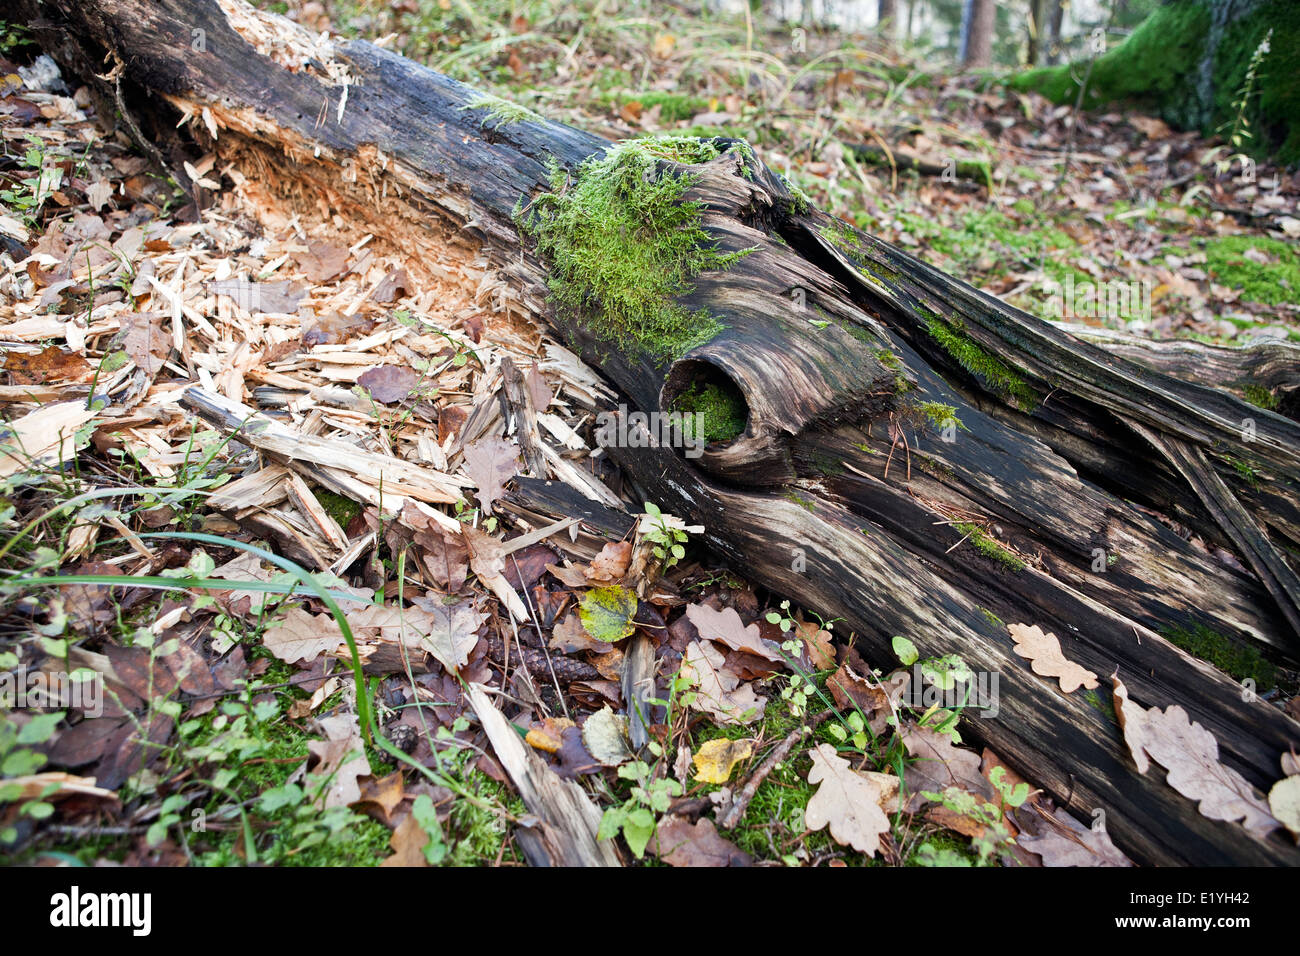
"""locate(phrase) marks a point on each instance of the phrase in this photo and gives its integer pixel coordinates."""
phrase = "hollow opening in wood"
(714, 405)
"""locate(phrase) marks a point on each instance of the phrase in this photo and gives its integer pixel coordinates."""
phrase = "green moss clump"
(1261, 397)
(673, 107)
(623, 245)
(941, 415)
(722, 409)
(988, 546)
(980, 364)
(1238, 660)
(1103, 705)
(501, 113)
(1276, 281)
(343, 510)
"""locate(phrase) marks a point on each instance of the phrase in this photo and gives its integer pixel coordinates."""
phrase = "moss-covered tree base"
(1188, 64)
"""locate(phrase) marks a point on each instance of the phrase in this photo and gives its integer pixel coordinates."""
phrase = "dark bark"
(1064, 452)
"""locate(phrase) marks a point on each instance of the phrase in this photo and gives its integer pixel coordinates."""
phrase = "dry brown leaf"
(388, 383)
(407, 842)
(1190, 754)
(817, 644)
(1064, 841)
(1047, 660)
(611, 564)
(720, 693)
(302, 636)
(727, 628)
(938, 764)
(847, 802)
(342, 757)
(680, 843)
(490, 462)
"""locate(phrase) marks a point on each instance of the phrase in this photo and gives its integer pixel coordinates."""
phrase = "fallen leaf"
(388, 383)
(1064, 841)
(604, 734)
(490, 462)
(1046, 659)
(548, 735)
(727, 628)
(1190, 754)
(720, 693)
(451, 632)
(938, 764)
(612, 562)
(817, 644)
(1284, 801)
(407, 842)
(302, 636)
(847, 802)
(342, 757)
(716, 759)
(273, 298)
(680, 843)
(606, 613)
(322, 261)
(569, 636)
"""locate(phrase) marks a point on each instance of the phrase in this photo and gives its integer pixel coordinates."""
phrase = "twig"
(740, 803)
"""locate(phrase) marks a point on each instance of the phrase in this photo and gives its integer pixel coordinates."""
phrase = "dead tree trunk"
(841, 491)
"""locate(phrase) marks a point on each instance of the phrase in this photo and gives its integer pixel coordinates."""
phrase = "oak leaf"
(720, 693)
(1190, 754)
(847, 802)
(302, 636)
(490, 462)
(1047, 660)
(727, 628)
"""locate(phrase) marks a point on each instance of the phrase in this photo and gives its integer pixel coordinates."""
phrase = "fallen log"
(889, 446)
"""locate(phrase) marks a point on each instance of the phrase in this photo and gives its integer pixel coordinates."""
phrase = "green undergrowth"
(987, 545)
(623, 245)
(1273, 281)
(500, 112)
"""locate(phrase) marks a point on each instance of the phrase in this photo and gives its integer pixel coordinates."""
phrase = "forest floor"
(220, 587)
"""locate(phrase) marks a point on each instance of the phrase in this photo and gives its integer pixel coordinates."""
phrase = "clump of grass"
(623, 245)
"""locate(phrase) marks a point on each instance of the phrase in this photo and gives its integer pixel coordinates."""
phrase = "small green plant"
(993, 837)
(26, 197)
(667, 535)
(637, 816)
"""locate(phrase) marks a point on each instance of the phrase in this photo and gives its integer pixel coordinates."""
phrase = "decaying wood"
(841, 492)
(566, 834)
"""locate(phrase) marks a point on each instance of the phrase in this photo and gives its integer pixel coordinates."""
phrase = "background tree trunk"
(843, 491)
(977, 41)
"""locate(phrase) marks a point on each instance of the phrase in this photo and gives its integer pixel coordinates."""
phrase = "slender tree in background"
(1052, 41)
(977, 33)
(887, 16)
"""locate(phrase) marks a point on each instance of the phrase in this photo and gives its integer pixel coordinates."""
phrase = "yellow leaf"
(717, 758)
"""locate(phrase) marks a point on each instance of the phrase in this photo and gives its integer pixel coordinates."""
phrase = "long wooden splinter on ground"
(892, 447)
